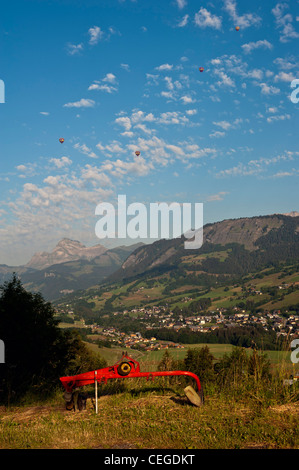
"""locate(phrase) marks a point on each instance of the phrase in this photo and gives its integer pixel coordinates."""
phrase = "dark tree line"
(238, 336)
(37, 351)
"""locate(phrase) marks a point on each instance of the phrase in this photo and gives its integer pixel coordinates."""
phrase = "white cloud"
(144, 129)
(216, 61)
(284, 22)
(257, 74)
(283, 174)
(164, 67)
(244, 21)
(138, 116)
(110, 78)
(248, 48)
(28, 170)
(44, 113)
(186, 99)
(138, 119)
(282, 117)
(125, 67)
(127, 134)
(272, 110)
(239, 170)
(61, 162)
(285, 63)
(256, 167)
(52, 180)
(73, 49)
(181, 3)
(95, 176)
(115, 147)
(217, 197)
(225, 125)
(175, 149)
(21, 167)
(99, 87)
(120, 168)
(204, 19)
(44, 213)
(168, 95)
(268, 89)
(125, 122)
(169, 83)
(95, 34)
(85, 150)
(224, 79)
(217, 134)
(107, 84)
(191, 112)
(184, 21)
(172, 118)
(83, 103)
(284, 77)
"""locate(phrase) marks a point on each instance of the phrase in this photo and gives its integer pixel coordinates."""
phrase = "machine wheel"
(124, 368)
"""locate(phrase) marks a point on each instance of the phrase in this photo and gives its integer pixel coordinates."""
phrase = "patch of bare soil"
(290, 408)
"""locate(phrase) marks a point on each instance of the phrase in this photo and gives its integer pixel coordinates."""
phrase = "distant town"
(160, 317)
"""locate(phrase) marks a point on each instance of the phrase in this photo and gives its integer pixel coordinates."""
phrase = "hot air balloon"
(137, 153)
(237, 28)
(61, 140)
(201, 69)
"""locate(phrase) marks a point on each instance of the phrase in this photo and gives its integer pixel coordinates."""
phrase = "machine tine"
(193, 397)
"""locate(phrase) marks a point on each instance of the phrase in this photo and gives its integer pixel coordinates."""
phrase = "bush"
(200, 362)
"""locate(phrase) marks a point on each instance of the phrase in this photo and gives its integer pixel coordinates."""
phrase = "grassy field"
(153, 417)
(140, 414)
(149, 360)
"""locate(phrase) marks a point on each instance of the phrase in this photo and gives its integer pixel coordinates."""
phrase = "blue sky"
(112, 77)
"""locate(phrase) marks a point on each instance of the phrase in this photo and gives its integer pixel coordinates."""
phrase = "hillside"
(270, 288)
(245, 285)
(246, 244)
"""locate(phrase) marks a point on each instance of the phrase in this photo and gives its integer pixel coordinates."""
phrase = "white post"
(96, 390)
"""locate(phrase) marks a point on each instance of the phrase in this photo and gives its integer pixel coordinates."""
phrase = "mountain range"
(69, 266)
(66, 250)
(231, 247)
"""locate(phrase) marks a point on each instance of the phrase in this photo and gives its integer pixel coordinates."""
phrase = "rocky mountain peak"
(65, 250)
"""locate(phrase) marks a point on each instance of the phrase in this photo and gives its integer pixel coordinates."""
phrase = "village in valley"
(157, 317)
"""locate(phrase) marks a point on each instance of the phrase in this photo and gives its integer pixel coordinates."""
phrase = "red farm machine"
(126, 367)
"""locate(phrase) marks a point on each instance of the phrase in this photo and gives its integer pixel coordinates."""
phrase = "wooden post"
(96, 390)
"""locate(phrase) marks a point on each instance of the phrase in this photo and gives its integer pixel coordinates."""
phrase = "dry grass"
(145, 419)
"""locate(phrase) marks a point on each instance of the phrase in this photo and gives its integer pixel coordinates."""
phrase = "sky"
(115, 76)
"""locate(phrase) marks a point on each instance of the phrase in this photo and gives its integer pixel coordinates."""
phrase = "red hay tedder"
(126, 367)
